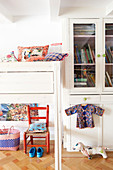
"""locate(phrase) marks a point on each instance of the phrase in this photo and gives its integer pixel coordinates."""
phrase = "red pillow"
(35, 58)
(41, 49)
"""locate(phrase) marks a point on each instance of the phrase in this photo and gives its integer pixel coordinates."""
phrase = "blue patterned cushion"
(38, 127)
(55, 56)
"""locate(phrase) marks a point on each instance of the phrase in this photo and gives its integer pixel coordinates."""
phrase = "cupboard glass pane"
(84, 55)
(108, 55)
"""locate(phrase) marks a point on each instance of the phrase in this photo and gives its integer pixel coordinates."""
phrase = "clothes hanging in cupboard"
(85, 114)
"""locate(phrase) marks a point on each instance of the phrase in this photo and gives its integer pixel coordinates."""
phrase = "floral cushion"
(35, 58)
(27, 52)
(55, 56)
(38, 127)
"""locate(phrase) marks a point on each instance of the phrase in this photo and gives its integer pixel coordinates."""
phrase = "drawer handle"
(85, 98)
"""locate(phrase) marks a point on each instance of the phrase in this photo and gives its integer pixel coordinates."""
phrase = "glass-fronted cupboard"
(91, 46)
(84, 55)
(108, 54)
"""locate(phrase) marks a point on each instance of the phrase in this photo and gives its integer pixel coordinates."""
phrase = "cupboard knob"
(104, 55)
(85, 98)
(98, 55)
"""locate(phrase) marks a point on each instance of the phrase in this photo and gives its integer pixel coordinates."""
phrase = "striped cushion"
(55, 56)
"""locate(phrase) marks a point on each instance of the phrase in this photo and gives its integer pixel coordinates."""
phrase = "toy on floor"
(89, 151)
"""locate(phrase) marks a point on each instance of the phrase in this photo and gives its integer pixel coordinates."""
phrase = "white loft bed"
(33, 82)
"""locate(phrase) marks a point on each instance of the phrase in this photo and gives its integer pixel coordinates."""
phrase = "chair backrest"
(37, 118)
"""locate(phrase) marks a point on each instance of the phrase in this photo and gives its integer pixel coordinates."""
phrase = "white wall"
(29, 31)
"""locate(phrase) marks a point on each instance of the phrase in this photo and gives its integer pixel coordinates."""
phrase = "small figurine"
(89, 151)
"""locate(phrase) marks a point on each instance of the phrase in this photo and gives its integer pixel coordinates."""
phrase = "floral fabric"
(35, 58)
(15, 112)
(27, 52)
(38, 127)
(85, 114)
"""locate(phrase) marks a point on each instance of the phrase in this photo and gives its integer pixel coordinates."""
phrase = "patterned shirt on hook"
(85, 114)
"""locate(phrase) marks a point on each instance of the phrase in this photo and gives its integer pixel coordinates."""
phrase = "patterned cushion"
(38, 127)
(35, 58)
(26, 52)
(55, 56)
(56, 48)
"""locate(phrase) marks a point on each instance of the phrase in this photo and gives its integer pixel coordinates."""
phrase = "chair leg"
(48, 147)
(31, 138)
(25, 146)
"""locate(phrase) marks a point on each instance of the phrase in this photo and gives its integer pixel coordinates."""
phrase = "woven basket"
(9, 139)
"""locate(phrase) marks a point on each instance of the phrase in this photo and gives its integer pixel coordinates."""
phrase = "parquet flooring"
(17, 160)
(76, 161)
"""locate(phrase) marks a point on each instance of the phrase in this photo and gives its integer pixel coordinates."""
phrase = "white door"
(85, 56)
(108, 126)
(107, 56)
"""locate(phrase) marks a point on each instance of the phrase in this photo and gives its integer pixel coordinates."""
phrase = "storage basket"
(9, 139)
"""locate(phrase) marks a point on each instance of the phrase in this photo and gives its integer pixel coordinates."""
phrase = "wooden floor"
(16, 160)
(76, 161)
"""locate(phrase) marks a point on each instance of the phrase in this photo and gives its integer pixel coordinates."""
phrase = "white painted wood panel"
(26, 82)
(107, 98)
(108, 126)
(27, 98)
(88, 136)
(84, 99)
(27, 66)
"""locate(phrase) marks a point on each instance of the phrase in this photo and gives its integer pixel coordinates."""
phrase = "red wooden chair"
(31, 135)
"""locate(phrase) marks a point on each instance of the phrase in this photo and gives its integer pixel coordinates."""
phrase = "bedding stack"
(51, 52)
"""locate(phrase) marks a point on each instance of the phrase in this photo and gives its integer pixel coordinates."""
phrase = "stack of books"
(87, 81)
(109, 54)
(108, 80)
(84, 55)
(78, 82)
(91, 80)
(84, 29)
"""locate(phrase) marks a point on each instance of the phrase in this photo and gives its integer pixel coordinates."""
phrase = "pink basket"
(9, 139)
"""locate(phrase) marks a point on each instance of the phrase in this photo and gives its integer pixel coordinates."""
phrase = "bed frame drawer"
(26, 82)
